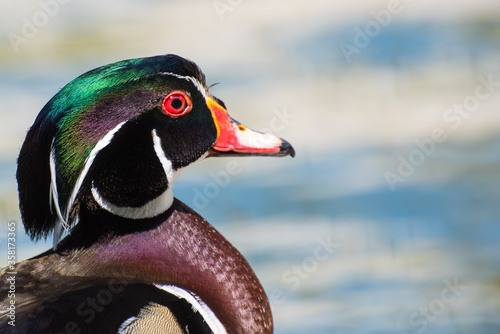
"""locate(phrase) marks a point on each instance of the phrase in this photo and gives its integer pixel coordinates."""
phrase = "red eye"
(177, 104)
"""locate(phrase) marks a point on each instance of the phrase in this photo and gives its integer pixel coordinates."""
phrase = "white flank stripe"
(198, 305)
(124, 326)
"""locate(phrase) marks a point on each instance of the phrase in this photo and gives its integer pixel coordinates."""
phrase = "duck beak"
(233, 138)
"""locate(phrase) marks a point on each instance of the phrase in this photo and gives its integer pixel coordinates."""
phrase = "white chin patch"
(156, 206)
(149, 210)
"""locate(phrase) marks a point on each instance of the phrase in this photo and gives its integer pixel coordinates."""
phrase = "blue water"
(403, 44)
(396, 248)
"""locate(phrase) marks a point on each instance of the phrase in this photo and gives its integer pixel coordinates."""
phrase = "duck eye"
(177, 104)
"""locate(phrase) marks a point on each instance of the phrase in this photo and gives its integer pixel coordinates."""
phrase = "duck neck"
(181, 248)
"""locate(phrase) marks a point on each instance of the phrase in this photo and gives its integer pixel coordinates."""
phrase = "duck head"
(116, 138)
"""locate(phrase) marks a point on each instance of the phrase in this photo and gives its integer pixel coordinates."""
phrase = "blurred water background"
(387, 221)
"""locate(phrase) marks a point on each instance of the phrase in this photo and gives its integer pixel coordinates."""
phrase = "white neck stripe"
(198, 306)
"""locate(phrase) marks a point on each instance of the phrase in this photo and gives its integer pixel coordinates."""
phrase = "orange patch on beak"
(234, 138)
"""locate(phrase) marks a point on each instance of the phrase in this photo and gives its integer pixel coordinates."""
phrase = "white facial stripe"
(198, 305)
(166, 164)
(62, 224)
(149, 210)
(90, 160)
(54, 196)
(194, 81)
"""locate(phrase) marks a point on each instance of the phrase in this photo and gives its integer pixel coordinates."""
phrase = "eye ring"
(177, 104)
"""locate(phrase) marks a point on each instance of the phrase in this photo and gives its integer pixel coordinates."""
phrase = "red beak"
(233, 138)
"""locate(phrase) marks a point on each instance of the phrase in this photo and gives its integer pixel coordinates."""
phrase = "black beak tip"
(287, 149)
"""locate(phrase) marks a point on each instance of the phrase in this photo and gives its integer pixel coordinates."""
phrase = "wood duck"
(96, 171)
